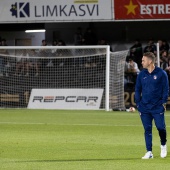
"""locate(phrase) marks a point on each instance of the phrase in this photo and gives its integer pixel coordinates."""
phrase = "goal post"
(61, 77)
(107, 78)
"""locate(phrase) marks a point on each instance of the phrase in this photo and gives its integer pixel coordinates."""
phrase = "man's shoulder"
(160, 70)
(143, 71)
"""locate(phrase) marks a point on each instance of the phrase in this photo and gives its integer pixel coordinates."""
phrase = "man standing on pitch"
(151, 94)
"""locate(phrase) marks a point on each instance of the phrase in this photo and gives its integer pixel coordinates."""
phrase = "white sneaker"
(163, 151)
(148, 155)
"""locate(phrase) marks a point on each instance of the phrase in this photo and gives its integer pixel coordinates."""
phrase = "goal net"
(116, 79)
(61, 77)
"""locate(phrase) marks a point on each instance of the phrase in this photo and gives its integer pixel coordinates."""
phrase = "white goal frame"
(106, 47)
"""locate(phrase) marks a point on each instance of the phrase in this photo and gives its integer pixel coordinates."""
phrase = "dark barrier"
(17, 96)
(130, 101)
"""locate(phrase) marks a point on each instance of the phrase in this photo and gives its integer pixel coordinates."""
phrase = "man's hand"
(164, 105)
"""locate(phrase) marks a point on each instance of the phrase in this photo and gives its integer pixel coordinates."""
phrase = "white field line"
(18, 123)
(27, 123)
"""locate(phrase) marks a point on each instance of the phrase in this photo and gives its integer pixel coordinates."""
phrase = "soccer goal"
(62, 77)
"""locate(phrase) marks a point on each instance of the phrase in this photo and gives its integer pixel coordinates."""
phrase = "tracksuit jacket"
(151, 90)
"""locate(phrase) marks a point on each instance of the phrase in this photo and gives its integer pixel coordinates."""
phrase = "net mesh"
(27, 68)
(116, 89)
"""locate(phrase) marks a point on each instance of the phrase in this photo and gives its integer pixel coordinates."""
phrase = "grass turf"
(76, 140)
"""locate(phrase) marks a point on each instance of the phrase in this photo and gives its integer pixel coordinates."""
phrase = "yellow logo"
(131, 8)
(85, 1)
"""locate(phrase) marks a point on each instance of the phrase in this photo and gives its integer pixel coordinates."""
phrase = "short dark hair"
(150, 55)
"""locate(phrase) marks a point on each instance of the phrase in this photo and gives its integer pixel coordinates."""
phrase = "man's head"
(44, 43)
(148, 59)
(131, 61)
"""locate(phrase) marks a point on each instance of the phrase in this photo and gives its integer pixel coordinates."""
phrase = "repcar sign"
(89, 99)
(65, 98)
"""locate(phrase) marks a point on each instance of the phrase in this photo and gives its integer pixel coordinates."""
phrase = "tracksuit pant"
(147, 119)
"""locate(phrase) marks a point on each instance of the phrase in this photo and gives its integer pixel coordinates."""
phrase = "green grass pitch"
(76, 140)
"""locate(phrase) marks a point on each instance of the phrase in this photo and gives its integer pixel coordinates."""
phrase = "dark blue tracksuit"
(151, 92)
